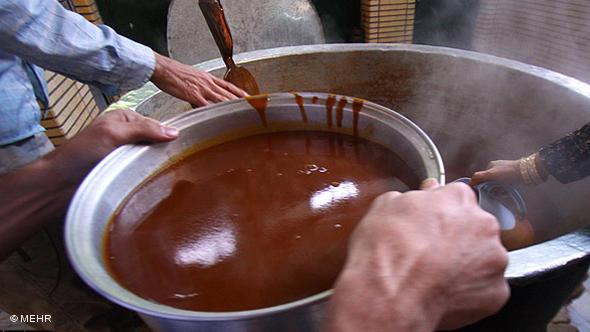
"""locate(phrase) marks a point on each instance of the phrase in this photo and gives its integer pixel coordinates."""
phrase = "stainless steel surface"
(476, 107)
(255, 25)
(122, 171)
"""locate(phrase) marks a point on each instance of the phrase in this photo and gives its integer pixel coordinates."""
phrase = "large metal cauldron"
(255, 25)
(114, 178)
(476, 108)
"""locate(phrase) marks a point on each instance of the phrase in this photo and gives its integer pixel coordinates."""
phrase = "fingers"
(227, 95)
(479, 177)
(199, 97)
(390, 195)
(192, 85)
(227, 90)
(502, 295)
(217, 97)
(126, 126)
(485, 175)
(429, 184)
(200, 101)
(217, 91)
(506, 171)
(461, 191)
(106, 133)
(231, 88)
(149, 130)
(384, 200)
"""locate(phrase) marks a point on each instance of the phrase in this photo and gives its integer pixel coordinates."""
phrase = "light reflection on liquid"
(209, 248)
(239, 227)
(331, 195)
(184, 296)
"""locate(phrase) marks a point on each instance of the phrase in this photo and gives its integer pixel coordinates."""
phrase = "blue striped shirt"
(43, 33)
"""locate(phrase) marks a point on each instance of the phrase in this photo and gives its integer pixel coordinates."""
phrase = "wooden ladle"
(240, 76)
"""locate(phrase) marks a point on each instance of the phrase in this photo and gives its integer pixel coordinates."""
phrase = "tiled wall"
(388, 21)
(72, 105)
(554, 34)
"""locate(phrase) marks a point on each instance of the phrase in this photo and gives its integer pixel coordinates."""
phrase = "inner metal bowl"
(121, 172)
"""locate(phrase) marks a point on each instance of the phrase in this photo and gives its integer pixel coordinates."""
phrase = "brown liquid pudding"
(251, 223)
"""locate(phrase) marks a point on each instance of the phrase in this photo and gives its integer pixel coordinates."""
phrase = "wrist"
(160, 69)
(50, 168)
(541, 167)
(55, 185)
(63, 172)
(530, 171)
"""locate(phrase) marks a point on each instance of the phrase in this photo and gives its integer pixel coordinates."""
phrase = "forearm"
(30, 197)
(44, 33)
(36, 194)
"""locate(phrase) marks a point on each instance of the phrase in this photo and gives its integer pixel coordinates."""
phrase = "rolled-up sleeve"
(46, 34)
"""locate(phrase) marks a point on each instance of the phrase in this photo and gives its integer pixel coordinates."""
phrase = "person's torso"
(19, 109)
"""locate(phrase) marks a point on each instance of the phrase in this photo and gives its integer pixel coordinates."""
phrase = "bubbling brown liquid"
(251, 223)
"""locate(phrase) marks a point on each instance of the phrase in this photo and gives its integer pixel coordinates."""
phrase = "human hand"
(74, 159)
(506, 171)
(40, 192)
(192, 85)
(420, 261)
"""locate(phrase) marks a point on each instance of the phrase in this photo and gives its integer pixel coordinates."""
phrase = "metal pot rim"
(144, 306)
(524, 264)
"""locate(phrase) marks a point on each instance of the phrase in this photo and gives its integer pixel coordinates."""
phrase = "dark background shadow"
(444, 23)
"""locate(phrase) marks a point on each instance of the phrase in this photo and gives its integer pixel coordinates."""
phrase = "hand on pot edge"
(191, 84)
(40, 192)
(420, 261)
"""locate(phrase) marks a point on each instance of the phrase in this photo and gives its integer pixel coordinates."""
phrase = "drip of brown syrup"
(299, 101)
(259, 103)
(330, 102)
(357, 106)
(340, 111)
(314, 100)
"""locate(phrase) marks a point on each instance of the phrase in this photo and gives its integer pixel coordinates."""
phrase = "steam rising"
(478, 109)
(546, 33)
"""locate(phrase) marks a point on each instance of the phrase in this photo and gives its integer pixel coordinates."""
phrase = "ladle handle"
(213, 12)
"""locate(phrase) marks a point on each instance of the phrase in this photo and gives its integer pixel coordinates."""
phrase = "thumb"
(479, 177)
(429, 184)
(150, 130)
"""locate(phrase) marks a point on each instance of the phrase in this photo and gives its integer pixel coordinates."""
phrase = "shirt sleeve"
(46, 34)
(568, 159)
